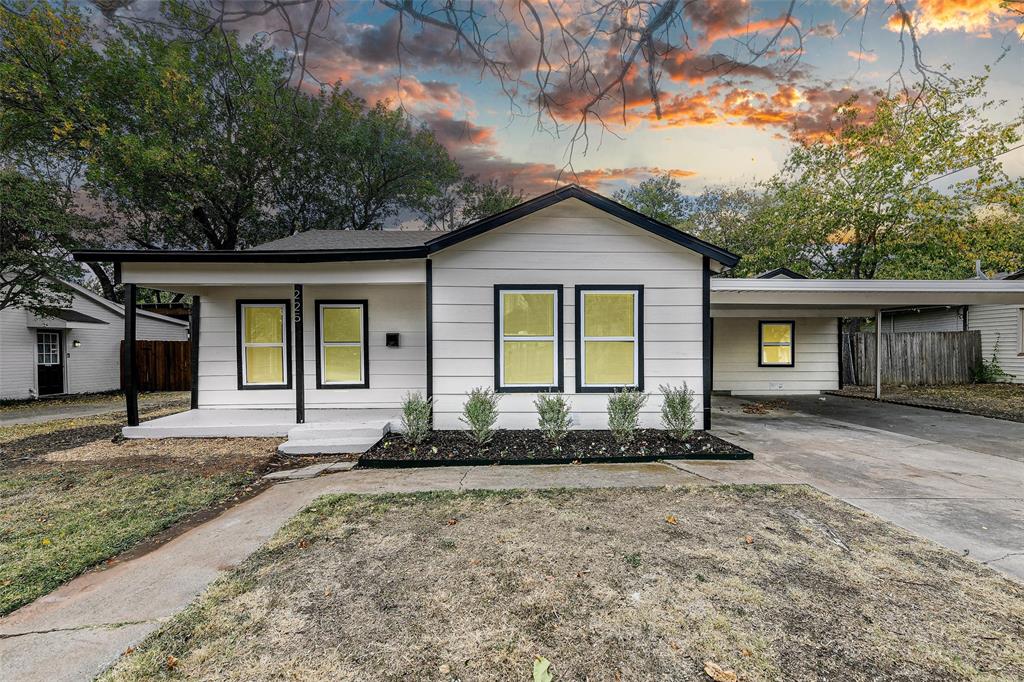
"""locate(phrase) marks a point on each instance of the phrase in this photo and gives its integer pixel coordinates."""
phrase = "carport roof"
(859, 297)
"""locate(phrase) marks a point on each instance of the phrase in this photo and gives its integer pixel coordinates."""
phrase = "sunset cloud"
(861, 56)
(978, 17)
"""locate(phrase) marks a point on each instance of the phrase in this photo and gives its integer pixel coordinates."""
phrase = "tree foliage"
(34, 228)
(660, 197)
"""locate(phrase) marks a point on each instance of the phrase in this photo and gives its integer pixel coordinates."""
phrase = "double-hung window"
(343, 359)
(775, 344)
(609, 338)
(528, 338)
(264, 341)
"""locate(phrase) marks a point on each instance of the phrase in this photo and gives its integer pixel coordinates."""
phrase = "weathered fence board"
(913, 358)
(163, 365)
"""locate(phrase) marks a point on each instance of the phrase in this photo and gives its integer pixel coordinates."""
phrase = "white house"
(77, 350)
(568, 292)
(1001, 327)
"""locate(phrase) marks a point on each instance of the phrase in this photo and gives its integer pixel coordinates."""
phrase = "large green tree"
(660, 197)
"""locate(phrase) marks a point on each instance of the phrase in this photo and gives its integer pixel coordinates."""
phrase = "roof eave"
(255, 256)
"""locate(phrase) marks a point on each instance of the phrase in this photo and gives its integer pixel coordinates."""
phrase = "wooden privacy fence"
(912, 358)
(163, 365)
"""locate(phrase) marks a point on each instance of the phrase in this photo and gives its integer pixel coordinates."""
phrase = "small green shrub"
(624, 414)
(990, 371)
(553, 416)
(677, 411)
(416, 418)
(480, 414)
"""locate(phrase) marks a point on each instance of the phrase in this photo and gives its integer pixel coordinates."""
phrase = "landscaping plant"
(553, 416)
(624, 414)
(416, 418)
(990, 371)
(480, 414)
(677, 411)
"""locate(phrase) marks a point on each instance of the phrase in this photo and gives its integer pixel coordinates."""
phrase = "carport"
(783, 336)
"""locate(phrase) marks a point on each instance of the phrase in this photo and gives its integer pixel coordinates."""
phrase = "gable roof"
(321, 246)
(117, 308)
(781, 272)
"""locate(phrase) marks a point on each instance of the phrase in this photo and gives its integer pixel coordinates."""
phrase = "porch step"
(333, 439)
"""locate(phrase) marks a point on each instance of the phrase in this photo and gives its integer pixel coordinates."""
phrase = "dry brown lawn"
(1001, 401)
(766, 582)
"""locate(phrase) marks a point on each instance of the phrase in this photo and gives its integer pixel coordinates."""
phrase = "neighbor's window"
(776, 342)
(528, 338)
(608, 337)
(342, 334)
(264, 344)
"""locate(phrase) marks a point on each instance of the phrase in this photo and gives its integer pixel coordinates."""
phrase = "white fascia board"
(861, 293)
(191, 276)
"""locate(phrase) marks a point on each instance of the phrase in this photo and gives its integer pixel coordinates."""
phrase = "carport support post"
(131, 372)
(878, 354)
(300, 363)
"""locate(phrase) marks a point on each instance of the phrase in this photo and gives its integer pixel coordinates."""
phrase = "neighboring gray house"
(1001, 327)
(77, 350)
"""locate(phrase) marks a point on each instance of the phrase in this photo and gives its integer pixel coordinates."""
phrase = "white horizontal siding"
(945, 320)
(569, 244)
(393, 372)
(1000, 335)
(17, 355)
(816, 366)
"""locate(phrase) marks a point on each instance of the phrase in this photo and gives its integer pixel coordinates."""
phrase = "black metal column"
(131, 370)
(300, 365)
(193, 337)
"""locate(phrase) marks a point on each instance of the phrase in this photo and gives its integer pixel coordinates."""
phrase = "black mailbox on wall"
(391, 339)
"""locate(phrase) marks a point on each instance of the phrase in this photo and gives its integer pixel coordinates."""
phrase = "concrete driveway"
(955, 479)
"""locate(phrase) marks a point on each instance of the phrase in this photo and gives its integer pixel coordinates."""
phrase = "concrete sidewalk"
(78, 630)
(88, 406)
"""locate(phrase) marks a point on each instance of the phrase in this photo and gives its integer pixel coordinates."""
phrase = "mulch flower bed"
(531, 447)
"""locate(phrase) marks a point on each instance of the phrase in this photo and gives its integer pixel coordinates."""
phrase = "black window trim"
(792, 343)
(580, 290)
(318, 305)
(240, 330)
(559, 386)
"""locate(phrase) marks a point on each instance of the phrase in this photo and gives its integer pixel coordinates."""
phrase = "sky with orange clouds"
(725, 119)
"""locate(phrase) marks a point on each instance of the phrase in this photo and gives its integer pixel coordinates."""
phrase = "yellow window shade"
(776, 355)
(343, 364)
(264, 324)
(609, 362)
(776, 333)
(529, 363)
(264, 365)
(608, 314)
(342, 325)
(529, 314)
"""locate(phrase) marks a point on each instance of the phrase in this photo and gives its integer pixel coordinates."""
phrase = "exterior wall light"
(76, 344)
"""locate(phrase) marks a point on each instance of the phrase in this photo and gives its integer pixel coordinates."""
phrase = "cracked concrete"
(76, 631)
(955, 479)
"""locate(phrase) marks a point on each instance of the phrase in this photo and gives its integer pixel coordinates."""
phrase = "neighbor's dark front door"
(50, 362)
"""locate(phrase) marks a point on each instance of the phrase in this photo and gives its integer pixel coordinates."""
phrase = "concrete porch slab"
(248, 423)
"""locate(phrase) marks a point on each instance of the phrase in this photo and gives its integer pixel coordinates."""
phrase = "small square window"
(775, 344)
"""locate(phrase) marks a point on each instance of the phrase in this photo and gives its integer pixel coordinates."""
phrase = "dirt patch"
(764, 407)
(530, 447)
(769, 582)
(999, 401)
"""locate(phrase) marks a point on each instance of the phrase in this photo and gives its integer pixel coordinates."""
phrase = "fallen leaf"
(718, 673)
(172, 662)
(749, 539)
(129, 651)
(452, 522)
(540, 669)
(671, 519)
(444, 669)
(303, 543)
(746, 652)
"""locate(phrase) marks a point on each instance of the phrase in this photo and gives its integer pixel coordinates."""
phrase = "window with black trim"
(343, 359)
(775, 343)
(528, 338)
(609, 338)
(264, 344)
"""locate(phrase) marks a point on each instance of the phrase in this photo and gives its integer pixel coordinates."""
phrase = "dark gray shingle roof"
(340, 240)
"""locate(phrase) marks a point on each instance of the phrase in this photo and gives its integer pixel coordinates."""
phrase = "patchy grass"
(71, 499)
(1001, 401)
(770, 582)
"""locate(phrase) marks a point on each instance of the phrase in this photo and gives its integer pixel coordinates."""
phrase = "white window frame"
(52, 351)
(554, 338)
(324, 345)
(283, 345)
(635, 338)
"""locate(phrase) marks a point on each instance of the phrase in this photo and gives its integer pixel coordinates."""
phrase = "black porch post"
(709, 343)
(300, 364)
(131, 371)
(193, 337)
